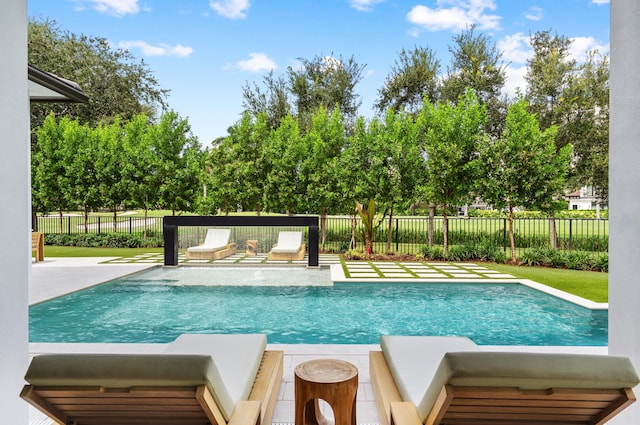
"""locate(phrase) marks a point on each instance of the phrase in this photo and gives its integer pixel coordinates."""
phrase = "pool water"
(158, 305)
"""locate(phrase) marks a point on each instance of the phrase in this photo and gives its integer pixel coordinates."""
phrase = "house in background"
(584, 198)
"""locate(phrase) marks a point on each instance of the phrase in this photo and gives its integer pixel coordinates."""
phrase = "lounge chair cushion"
(502, 369)
(215, 240)
(288, 243)
(237, 358)
(413, 362)
(189, 361)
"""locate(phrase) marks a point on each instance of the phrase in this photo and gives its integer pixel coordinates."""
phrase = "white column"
(15, 223)
(624, 189)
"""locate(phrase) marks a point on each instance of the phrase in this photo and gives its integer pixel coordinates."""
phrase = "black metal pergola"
(171, 223)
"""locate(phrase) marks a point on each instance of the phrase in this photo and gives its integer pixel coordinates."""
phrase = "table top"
(326, 371)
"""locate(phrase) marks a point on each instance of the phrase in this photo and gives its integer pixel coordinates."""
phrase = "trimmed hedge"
(103, 240)
(575, 260)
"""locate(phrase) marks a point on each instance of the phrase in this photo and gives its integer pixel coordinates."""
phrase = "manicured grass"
(77, 251)
(590, 285)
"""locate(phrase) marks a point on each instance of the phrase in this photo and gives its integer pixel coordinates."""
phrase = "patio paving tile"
(357, 275)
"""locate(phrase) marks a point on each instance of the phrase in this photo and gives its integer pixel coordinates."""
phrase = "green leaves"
(370, 220)
(116, 83)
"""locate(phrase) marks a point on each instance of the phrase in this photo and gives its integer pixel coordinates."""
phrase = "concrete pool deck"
(58, 276)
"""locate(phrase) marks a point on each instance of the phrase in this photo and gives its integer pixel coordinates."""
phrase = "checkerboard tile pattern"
(428, 270)
(237, 258)
(353, 269)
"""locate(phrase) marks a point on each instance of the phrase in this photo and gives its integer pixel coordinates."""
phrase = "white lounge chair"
(289, 247)
(439, 381)
(199, 379)
(216, 246)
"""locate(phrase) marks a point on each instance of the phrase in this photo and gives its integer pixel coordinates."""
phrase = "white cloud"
(159, 50)
(600, 1)
(455, 15)
(534, 13)
(364, 5)
(515, 48)
(581, 45)
(258, 62)
(232, 9)
(515, 80)
(112, 7)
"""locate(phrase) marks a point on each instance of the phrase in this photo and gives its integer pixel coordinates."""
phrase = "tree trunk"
(389, 229)
(512, 241)
(354, 225)
(115, 219)
(323, 228)
(445, 231)
(432, 214)
(144, 232)
(553, 234)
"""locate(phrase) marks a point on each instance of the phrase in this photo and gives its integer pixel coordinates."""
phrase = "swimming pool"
(157, 305)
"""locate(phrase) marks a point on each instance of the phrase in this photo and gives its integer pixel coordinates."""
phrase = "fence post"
(99, 230)
(397, 245)
(504, 234)
(131, 227)
(69, 225)
(570, 234)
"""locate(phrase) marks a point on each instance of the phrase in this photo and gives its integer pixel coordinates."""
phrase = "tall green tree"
(272, 99)
(177, 156)
(522, 168)
(548, 74)
(477, 64)
(140, 167)
(585, 111)
(453, 134)
(399, 149)
(220, 180)
(361, 173)
(322, 145)
(413, 77)
(115, 81)
(328, 82)
(84, 186)
(51, 178)
(283, 186)
(113, 177)
(247, 139)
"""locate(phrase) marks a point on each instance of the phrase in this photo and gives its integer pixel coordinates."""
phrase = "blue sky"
(204, 51)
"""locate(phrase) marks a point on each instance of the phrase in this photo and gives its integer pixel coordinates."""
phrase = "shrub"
(103, 240)
(432, 252)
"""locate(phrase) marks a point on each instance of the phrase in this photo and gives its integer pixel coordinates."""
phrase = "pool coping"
(338, 275)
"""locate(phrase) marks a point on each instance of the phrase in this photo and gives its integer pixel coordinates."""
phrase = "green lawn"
(590, 285)
(77, 251)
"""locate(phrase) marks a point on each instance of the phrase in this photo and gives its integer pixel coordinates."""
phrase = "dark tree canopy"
(413, 77)
(476, 64)
(116, 83)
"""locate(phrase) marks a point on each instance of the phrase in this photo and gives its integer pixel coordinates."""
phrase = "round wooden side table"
(335, 382)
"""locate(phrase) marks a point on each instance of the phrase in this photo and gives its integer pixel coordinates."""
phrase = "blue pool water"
(160, 304)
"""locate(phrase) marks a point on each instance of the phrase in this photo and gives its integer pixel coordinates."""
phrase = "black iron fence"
(402, 235)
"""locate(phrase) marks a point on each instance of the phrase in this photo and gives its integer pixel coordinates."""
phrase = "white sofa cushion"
(288, 243)
(237, 357)
(215, 240)
(413, 362)
(421, 367)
